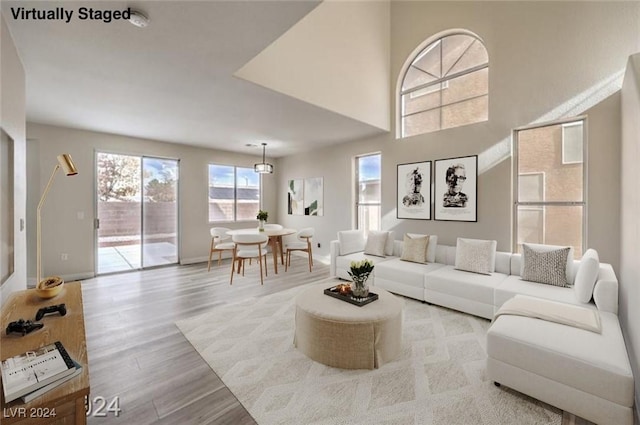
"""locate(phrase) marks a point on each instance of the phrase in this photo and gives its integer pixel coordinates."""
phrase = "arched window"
(445, 85)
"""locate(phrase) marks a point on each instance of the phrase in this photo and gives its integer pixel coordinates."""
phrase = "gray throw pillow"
(548, 267)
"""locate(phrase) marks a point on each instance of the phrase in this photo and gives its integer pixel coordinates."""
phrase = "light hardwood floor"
(136, 352)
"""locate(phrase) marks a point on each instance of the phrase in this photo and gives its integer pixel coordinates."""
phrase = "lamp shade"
(67, 165)
(263, 167)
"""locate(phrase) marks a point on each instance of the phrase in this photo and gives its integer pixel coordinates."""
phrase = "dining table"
(275, 240)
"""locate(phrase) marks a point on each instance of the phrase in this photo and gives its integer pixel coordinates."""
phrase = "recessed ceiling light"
(138, 19)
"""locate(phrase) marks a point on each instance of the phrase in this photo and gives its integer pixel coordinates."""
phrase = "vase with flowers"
(360, 272)
(262, 217)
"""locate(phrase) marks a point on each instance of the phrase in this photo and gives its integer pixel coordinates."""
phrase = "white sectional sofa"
(438, 282)
(576, 370)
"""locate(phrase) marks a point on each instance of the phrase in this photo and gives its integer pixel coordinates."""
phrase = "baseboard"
(194, 260)
(31, 281)
(324, 259)
(78, 276)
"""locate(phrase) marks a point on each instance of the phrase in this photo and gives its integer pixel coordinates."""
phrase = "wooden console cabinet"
(67, 401)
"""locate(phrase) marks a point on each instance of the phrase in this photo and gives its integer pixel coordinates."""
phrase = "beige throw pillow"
(388, 249)
(431, 247)
(376, 242)
(414, 249)
(476, 255)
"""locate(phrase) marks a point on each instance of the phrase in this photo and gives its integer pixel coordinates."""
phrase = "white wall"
(547, 60)
(63, 232)
(630, 217)
(336, 57)
(12, 119)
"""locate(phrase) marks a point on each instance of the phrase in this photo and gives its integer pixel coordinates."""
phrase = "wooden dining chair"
(249, 246)
(302, 244)
(218, 236)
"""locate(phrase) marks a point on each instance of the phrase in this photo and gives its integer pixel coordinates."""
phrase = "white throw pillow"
(587, 276)
(546, 248)
(414, 249)
(431, 247)
(476, 255)
(376, 242)
(388, 248)
(351, 241)
(545, 266)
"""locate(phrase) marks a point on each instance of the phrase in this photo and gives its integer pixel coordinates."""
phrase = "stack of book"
(34, 373)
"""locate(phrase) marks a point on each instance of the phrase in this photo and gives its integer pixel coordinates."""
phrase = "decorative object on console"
(60, 308)
(262, 217)
(313, 196)
(456, 189)
(49, 287)
(545, 266)
(360, 272)
(65, 162)
(34, 369)
(295, 197)
(53, 385)
(414, 191)
(476, 255)
(23, 326)
(263, 167)
(414, 248)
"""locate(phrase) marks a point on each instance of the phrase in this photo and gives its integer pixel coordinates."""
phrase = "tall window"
(446, 85)
(234, 193)
(549, 185)
(368, 194)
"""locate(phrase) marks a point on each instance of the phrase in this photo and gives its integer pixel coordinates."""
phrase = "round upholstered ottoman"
(343, 335)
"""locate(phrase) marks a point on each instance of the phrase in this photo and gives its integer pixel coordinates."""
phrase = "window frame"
(532, 204)
(400, 132)
(235, 193)
(565, 161)
(357, 202)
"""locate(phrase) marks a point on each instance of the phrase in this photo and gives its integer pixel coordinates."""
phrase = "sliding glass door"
(159, 211)
(137, 210)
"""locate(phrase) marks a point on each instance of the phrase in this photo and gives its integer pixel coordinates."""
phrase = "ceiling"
(173, 80)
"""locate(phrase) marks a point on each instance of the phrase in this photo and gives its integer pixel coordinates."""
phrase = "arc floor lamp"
(64, 162)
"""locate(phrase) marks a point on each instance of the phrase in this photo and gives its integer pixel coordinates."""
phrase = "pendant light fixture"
(263, 167)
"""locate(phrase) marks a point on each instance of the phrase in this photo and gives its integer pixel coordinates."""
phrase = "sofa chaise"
(590, 376)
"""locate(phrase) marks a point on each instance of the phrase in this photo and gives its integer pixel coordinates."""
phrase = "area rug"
(439, 379)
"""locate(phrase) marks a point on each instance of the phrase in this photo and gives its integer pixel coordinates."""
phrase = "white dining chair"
(273, 227)
(302, 244)
(218, 236)
(249, 246)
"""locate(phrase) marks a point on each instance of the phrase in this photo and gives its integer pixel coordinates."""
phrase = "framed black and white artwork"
(456, 189)
(414, 191)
